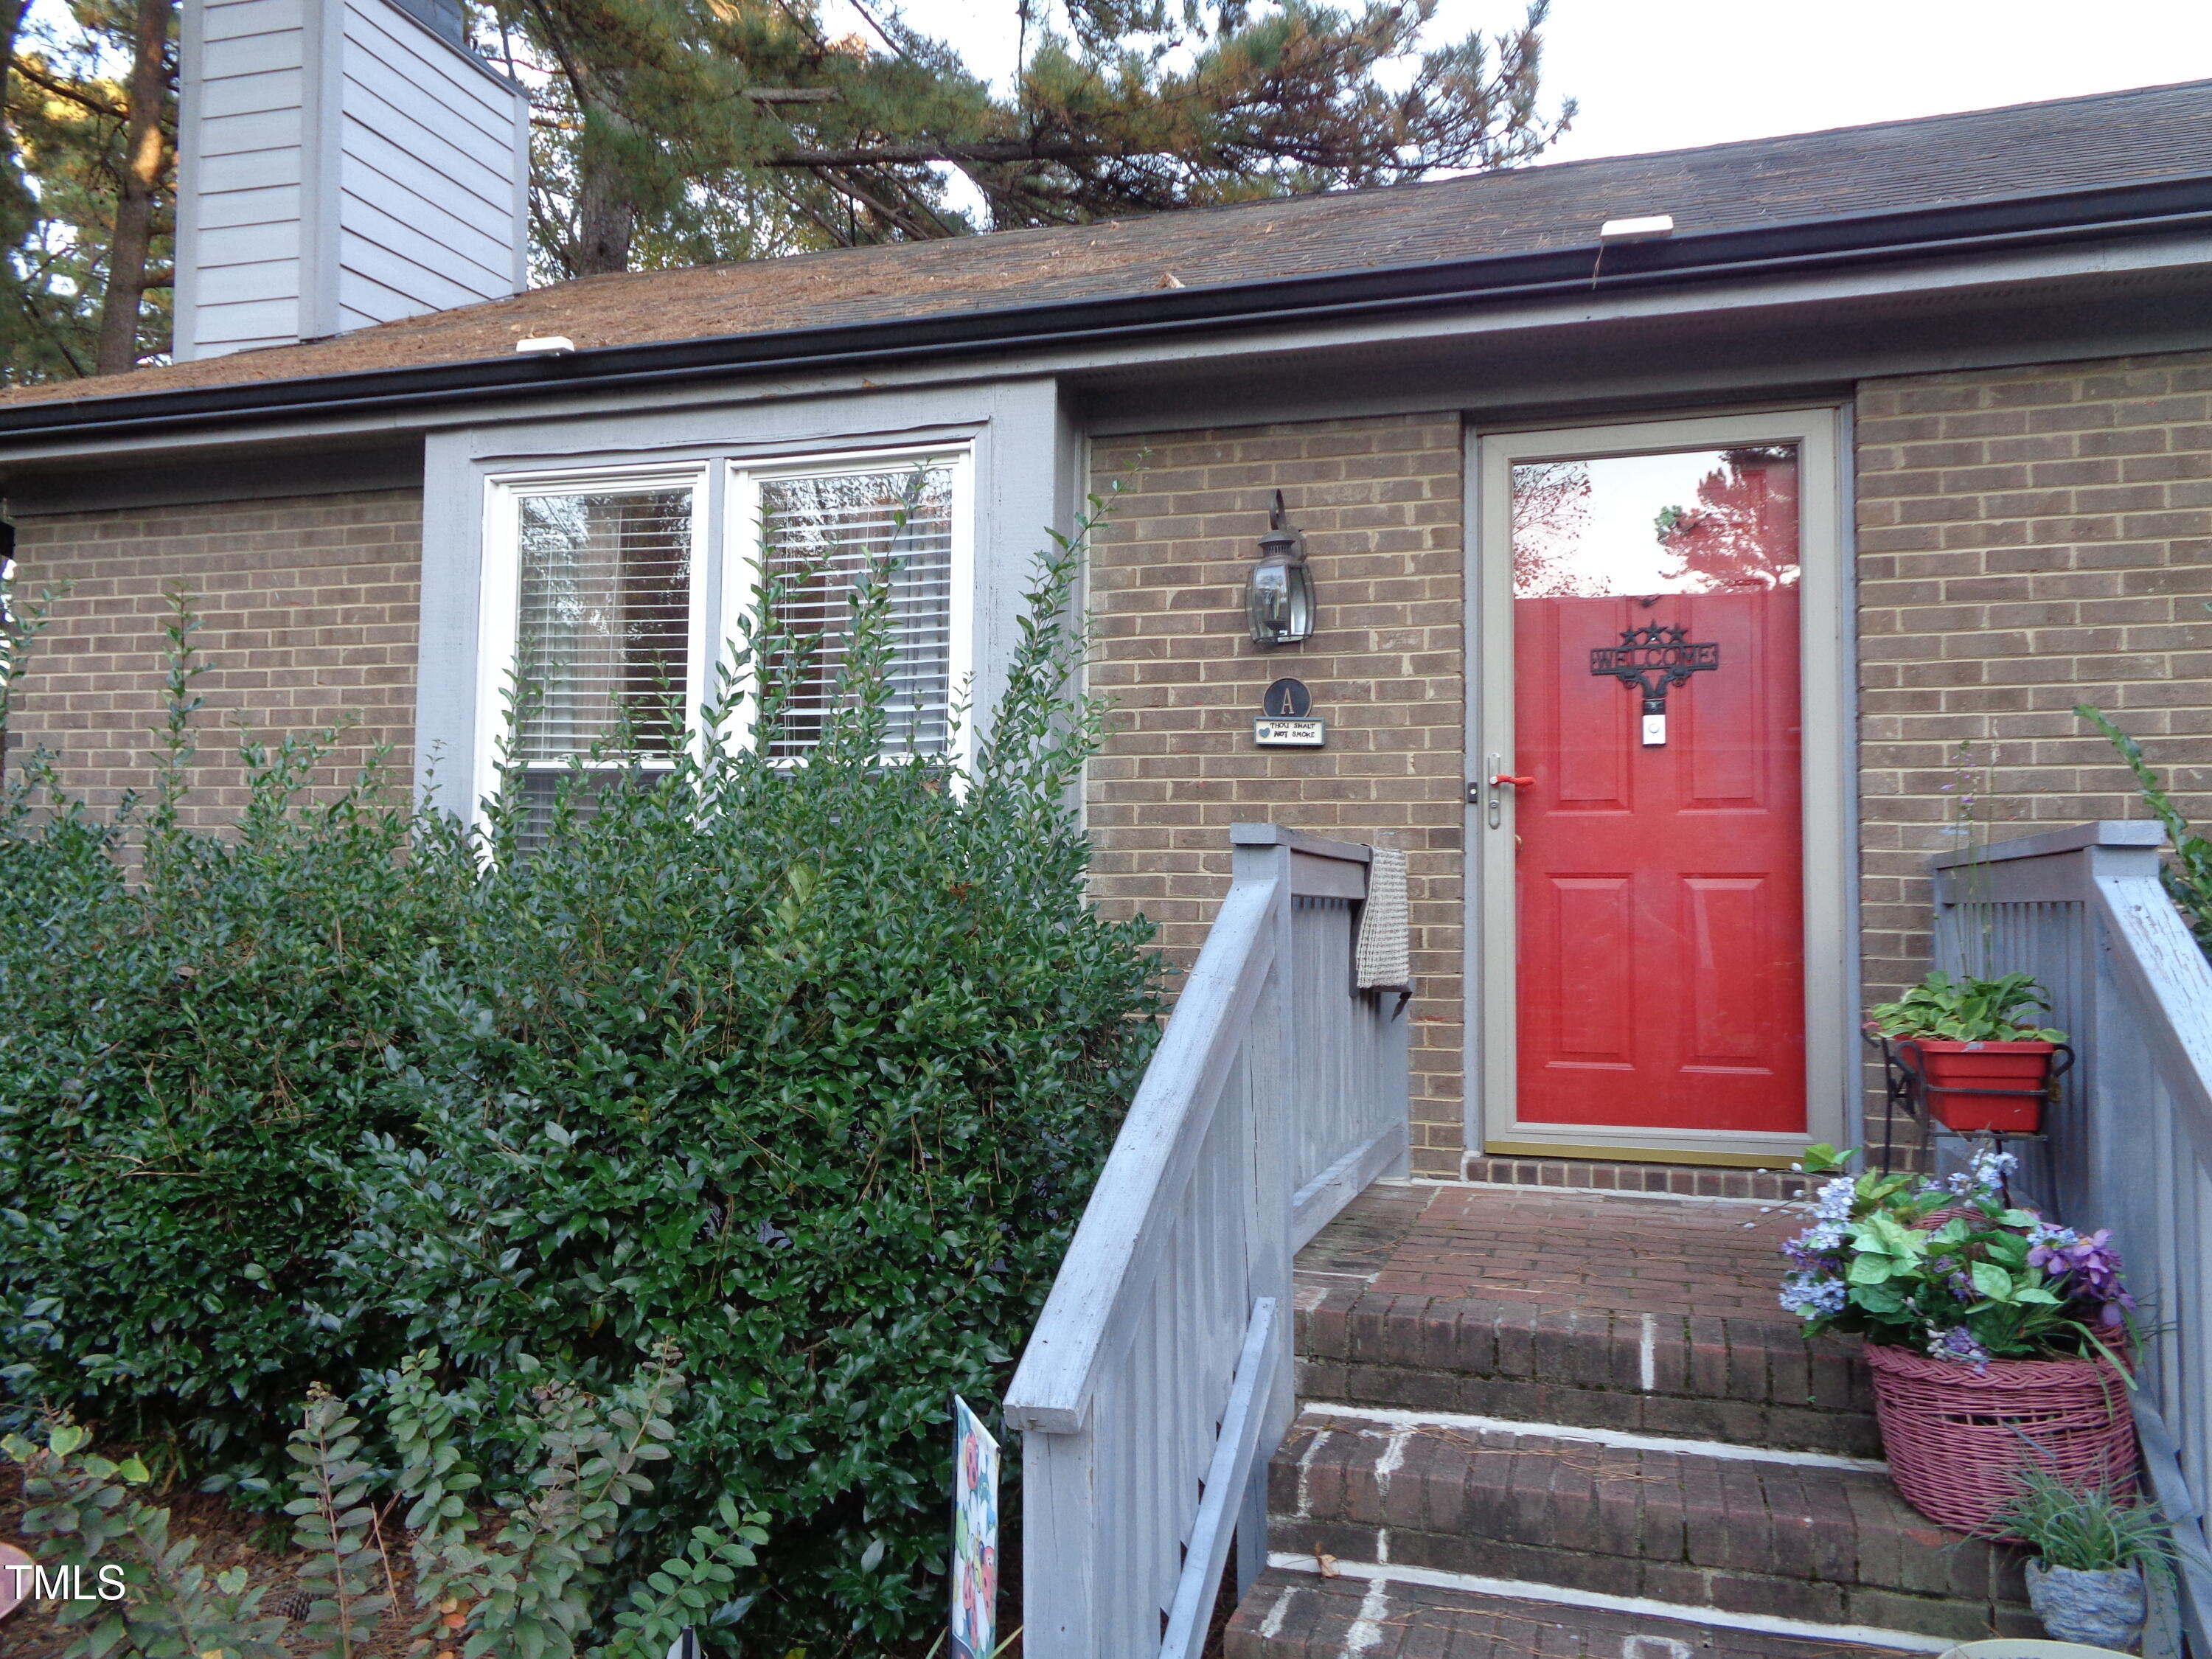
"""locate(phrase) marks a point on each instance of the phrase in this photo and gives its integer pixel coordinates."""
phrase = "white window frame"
(742, 564)
(725, 565)
(499, 594)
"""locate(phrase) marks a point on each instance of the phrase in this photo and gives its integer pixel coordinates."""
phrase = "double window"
(618, 593)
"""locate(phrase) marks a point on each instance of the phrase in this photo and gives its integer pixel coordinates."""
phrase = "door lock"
(1491, 792)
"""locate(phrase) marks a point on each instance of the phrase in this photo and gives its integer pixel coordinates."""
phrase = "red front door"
(1660, 978)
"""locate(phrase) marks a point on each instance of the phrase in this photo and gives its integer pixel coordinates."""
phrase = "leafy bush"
(2187, 873)
(186, 1018)
(806, 1069)
(156, 1600)
(529, 1586)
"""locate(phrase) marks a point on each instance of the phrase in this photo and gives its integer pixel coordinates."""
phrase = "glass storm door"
(1656, 771)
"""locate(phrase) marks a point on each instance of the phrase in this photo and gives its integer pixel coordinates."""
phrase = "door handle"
(1498, 780)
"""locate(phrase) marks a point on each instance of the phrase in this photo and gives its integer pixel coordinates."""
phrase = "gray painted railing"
(2130, 1142)
(1158, 1380)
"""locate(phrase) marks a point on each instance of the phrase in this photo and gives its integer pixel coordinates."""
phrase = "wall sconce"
(1280, 592)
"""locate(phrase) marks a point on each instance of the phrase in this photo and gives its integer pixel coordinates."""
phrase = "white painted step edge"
(1868, 1636)
(1394, 1417)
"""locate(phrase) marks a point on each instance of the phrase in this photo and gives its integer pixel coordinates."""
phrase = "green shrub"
(527, 1584)
(805, 1068)
(186, 1018)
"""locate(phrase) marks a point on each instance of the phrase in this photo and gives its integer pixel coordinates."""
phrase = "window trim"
(499, 592)
(724, 556)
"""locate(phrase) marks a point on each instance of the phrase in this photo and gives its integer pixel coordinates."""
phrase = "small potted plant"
(1984, 1066)
(2093, 1548)
(1997, 1340)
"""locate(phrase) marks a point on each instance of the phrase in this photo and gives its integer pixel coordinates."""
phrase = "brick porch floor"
(1651, 1254)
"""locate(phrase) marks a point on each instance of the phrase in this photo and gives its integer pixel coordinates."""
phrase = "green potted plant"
(2093, 1548)
(1997, 1341)
(1985, 1063)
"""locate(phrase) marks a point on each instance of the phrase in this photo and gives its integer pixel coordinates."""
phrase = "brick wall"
(310, 615)
(2028, 540)
(1379, 503)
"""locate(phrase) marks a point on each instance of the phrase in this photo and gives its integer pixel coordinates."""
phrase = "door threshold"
(1584, 1173)
(1589, 1152)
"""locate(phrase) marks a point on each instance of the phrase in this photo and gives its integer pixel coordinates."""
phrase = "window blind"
(826, 534)
(605, 615)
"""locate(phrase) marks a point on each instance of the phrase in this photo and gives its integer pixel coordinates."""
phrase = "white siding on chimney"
(429, 215)
(243, 151)
(340, 165)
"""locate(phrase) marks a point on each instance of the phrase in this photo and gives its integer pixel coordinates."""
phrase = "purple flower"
(1814, 1295)
(1837, 1196)
(1985, 1173)
(1959, 1344)
(1955, 1275)
(2083, 1269)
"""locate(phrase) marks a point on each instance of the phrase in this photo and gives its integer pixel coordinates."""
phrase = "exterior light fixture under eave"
(1649, 228)
(1280, 592)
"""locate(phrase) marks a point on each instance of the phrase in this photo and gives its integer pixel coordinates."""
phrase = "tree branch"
(72, 93)
(986, 150)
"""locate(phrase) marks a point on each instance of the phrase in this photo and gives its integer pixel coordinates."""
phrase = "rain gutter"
(2007, 225)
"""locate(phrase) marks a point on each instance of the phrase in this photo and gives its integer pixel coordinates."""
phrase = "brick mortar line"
(1401, 1418)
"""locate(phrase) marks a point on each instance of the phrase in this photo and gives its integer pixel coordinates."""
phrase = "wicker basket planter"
(1955, 1437)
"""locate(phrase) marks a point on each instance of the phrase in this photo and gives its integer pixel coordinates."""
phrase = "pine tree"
(739, 127)
(72, 205)
(675, 132)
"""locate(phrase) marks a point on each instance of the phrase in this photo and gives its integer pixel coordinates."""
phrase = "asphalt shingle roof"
(2157, 133)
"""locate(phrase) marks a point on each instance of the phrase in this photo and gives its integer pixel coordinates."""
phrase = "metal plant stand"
(1905, 1089)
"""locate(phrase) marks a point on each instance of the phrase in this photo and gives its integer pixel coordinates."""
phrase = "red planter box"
(1953, 1071)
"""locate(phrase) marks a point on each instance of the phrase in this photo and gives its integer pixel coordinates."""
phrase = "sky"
(1654, 75)
(1669, 73)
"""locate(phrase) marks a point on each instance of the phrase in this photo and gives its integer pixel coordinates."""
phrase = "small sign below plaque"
(1269, 732)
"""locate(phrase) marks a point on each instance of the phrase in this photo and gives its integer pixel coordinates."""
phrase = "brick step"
(1301, 1615)
(1809, 1537)
(1738, 1377)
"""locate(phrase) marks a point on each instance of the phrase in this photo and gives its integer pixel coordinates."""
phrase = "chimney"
(340, 163)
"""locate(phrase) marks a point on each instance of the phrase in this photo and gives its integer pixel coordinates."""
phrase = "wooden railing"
(2129, 1144)
(1158, 1380)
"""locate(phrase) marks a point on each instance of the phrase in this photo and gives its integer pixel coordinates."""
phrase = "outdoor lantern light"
(1279, 592)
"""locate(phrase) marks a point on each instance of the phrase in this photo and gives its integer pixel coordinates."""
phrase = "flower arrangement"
(1953, 1269)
